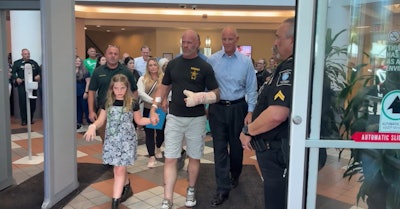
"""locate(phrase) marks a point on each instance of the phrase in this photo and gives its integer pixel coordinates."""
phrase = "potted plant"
(379, 169)
(349, 113)
(334, 81)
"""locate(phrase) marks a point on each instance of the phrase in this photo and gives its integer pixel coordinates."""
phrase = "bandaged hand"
(194, 99)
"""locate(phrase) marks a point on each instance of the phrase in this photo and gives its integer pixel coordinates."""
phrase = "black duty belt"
(261, 145)
(273, 144)
(228, 102)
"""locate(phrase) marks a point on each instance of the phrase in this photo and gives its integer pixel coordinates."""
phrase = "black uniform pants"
(226, 123)
(273, 166)
(22, 103)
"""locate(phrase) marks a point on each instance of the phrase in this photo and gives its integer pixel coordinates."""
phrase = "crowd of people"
(248, 108)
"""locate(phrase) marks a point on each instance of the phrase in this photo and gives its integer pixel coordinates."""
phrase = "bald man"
(187, 76)
(237, 81)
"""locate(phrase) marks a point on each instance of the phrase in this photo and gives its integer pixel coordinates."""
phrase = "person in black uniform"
(268, 133)
(261, 72)
(18, 77)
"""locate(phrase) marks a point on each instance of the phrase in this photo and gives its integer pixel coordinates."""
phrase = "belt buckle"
(227, 103)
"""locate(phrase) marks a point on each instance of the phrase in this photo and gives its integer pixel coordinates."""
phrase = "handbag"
(152, 88)
(150, 91)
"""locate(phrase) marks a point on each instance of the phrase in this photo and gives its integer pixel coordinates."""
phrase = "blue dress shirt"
(235, 76)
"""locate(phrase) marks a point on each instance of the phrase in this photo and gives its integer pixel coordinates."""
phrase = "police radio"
(30, 85)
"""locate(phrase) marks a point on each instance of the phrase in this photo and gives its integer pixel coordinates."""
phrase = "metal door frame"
(310, 20)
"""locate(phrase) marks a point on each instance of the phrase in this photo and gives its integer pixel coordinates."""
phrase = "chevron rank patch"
(280, 96)
(284, 78)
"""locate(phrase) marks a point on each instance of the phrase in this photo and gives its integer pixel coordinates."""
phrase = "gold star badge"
(279, 95)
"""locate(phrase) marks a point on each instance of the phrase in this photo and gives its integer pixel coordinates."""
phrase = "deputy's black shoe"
(218, 199)
(126, 192)
(23, 123)
(234, 182)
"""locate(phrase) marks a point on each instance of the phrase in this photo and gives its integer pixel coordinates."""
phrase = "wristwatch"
(245, 130)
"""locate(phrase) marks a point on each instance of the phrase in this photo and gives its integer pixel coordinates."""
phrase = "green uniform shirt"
(18, 69)
(101, 78)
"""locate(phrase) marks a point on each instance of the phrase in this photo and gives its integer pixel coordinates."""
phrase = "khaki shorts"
(192, 129)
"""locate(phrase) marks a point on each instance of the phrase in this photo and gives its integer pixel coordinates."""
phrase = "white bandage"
(194, 99)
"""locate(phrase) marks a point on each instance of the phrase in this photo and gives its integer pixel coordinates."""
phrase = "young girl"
(120, 144)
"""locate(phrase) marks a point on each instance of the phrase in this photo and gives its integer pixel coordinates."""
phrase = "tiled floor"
(147, 183)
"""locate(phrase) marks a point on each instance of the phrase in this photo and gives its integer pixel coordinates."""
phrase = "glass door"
(345, 122)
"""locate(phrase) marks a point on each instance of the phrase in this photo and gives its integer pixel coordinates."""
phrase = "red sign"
(376, 137)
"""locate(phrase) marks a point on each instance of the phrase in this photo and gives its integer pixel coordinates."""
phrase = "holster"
(258, 145)
(261, 145)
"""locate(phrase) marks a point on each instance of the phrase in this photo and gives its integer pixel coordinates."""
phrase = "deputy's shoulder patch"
(284, 78)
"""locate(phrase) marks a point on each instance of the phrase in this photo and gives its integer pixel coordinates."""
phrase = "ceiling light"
(199, 12)
(122, 28)
(108, 31)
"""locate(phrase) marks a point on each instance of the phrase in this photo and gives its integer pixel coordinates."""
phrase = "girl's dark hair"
(98, 60)
(127, 59)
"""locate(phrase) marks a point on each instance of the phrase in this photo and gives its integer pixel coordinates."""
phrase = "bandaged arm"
(192, 99)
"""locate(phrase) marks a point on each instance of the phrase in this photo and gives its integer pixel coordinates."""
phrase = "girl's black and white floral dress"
(120, 144)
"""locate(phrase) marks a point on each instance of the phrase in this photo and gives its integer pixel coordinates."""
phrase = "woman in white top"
(147, 85)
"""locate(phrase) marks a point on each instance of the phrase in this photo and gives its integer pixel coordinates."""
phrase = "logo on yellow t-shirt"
(194, 72)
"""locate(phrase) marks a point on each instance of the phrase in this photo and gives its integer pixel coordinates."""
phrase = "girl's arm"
(91, 132)
(139, 119)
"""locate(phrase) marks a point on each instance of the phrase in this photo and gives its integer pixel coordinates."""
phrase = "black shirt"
(195, 75)
(277, 90)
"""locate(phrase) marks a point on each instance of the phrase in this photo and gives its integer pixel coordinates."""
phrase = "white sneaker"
(190, 197)
(166, 204)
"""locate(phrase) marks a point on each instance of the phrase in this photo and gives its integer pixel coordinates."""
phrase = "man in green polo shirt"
(90, 62)
(101, 79)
